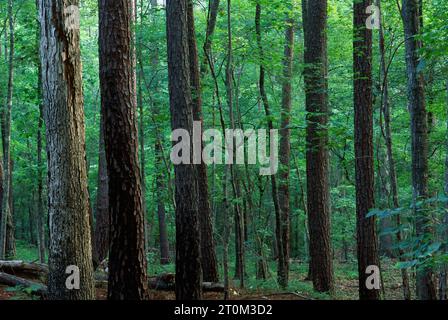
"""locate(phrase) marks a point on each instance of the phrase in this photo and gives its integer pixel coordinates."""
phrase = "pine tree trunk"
(127, 259)
(188, 245)
(367, 247)
(68, 199)
(209, 262)
(285, 147)
(6, 136)
(426, 289)
(318, 198)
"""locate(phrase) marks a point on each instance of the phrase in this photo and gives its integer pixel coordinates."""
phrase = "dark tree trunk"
(188, 245)
(426, 289)
(68, 198)
(318, 198)
(209, 262)
(367, 246)
(6, 218)
(31, 220)
(102, 223)
(285, 147)
(127, 260)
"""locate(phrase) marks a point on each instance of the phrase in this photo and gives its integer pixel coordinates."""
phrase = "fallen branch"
(166, 282)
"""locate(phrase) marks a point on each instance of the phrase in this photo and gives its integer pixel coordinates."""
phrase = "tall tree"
(68, 199)
(188, 247)
(367, 250)
(209, 261)
(411, 12)
(5, 221)
(443, 294)
(285, 146)
(316, 90)
(127, 259)
(40, 215)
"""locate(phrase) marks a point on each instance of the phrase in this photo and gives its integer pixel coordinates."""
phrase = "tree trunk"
(127, 259)
(188, 245)
(10, 227)
(367, 246)
(40, 215)
(443, 293)
(318, 198)
(6, 137)
(209, 262)
(68, 199)
(426, 289)
(285, 147)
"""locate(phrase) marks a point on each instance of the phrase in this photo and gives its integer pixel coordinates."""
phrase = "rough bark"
(367, 247)
(316, 86)
(127, 260)
(188, 245)
(426, 289)
(209, 261)
(68, 206)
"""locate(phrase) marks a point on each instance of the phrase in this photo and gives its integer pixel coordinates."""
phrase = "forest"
(224, 150)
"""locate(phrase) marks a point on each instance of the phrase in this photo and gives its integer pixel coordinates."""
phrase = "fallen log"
(166, 282)
(13, 281)
(18, 267)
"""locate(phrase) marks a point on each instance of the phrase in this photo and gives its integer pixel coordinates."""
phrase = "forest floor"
(346, 283)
